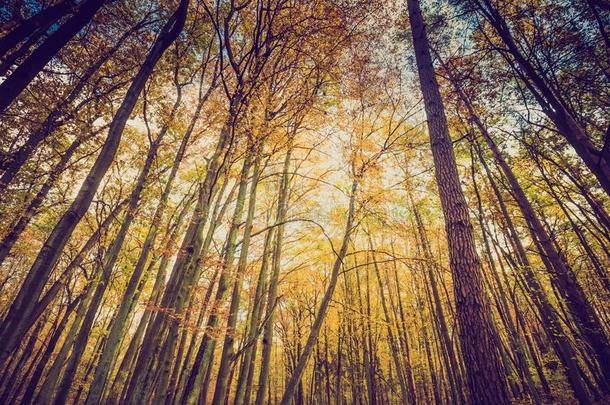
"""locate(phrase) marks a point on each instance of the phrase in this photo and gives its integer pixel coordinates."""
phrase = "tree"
(476, 329)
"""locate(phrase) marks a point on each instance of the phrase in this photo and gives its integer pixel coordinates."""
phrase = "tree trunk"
(504, 310)
(407, 394)
(552, 324)
(598, 161)
(196, 384)
(189, 255)
(486, 380)
(33, 383)
(580, 307)
(58, 116)
(128, 300)
(246, 373)
(26, 28)
(45, 395)
(450, 356)
(115, 393)
(9, 240)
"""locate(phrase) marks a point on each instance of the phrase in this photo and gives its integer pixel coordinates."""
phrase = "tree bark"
(486, 380)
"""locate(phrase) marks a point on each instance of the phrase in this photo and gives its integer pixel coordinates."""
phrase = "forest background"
(309, 202)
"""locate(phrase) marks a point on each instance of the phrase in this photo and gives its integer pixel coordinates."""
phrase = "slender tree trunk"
(407, 396)
(561, 344)
(46, 393)
(598, 161)
(128, 300)
(26, 28)
(108, 265)
(196, 384)
(35, 379)
(513, 334)
(59, 115)
(580, 307)
(217, 215)
(426, 341)
(189, 252)
(402, 333)
(447, 350)
(134, 344)
(17, 228)
(246, 373)
(9, 377)
(595, 261)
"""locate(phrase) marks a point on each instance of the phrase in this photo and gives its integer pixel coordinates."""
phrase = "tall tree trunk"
(45, 395)
(561, 344)
(33, 24)
(246, 373)
(197, 383)
(504, 310)
(18, 226)
(110, 260)
(128, 300)
(59, 115)
(9, 377)
(486, 380)
(217, 216)
(407, 394)
(402, 333)
(35, 379)
(124, 368)
(580, 307)
(188, 259)
(449, 354)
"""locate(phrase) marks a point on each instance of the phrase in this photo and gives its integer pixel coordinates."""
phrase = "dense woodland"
(304, 202)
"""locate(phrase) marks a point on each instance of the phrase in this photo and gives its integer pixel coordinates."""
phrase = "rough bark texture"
(486, 380)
